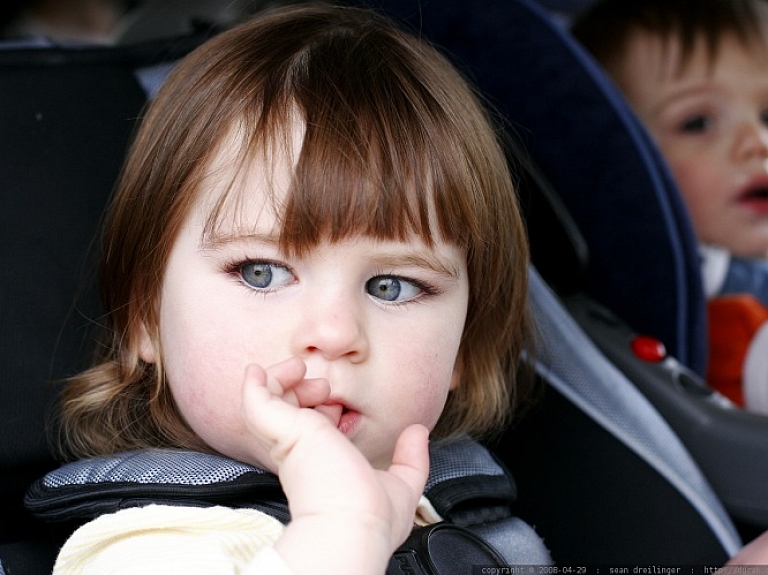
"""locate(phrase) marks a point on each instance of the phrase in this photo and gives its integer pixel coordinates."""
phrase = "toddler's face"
(711, 123)
(381, 321)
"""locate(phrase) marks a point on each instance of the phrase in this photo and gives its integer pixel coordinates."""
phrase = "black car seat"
(66, 117)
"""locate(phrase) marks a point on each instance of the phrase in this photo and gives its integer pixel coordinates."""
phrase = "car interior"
(626, 457)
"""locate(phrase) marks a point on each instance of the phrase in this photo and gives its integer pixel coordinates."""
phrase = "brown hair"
(396, 143)
(607, 26)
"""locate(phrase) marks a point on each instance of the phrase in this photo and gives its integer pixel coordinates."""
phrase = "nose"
(752, 142)
(333, 327)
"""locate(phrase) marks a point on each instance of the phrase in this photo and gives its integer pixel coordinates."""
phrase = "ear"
(146, 344)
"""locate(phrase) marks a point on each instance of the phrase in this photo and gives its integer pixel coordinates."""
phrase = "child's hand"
(754, 553)
(346, 515)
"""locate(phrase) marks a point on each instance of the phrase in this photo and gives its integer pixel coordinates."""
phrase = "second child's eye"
(265, 276)
(696, 124)
(392, 288)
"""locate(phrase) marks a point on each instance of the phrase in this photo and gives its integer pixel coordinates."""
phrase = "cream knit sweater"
(172, 540)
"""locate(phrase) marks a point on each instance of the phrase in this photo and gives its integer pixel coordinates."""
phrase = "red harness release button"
(648, 348)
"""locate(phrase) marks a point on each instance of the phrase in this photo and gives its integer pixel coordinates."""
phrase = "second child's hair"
(396, 144)
(607, 26)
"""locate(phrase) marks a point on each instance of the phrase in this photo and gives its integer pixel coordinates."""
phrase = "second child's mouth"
(754, 195)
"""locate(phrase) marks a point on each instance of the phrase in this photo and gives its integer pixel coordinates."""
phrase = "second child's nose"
(753, 141)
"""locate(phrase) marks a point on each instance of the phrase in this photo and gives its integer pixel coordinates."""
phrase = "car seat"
(592, 477)
(640, 274)
(66, 118)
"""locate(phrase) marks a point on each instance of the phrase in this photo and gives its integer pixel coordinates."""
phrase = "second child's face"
(381, 321)
(711, 124)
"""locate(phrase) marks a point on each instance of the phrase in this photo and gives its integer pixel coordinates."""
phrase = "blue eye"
(265, 276)
(392, 289)
(696, 124)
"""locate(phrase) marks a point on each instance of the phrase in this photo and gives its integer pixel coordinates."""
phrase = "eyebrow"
(431, 262)
(688, 93)
(213, 241)
(385, 259)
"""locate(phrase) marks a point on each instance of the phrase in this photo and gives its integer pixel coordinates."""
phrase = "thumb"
(410, 461)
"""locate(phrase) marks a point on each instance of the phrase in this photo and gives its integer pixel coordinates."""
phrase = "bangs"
(363, 174)
(348, 184)
(380, 155)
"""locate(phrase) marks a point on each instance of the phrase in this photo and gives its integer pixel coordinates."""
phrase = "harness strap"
(466, 486)
(463, 474)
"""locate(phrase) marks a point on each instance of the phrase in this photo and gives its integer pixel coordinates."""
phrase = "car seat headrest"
(67, 116)
(558, 249)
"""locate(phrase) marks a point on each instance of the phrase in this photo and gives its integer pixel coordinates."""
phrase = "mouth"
(345, 418)
(755, 194)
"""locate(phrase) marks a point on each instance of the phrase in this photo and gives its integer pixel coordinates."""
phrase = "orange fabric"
(733, 321)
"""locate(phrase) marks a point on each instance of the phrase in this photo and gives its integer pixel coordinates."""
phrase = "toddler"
(313, 261)
(696, 74)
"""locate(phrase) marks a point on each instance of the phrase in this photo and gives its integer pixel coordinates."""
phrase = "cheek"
(696, 169)
(204, 383)
(701, 187)
(432, 376)
(203, 372)
(434, 360)
(695, 163)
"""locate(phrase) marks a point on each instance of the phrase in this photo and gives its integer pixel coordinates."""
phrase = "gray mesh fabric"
(460, 457)
(166, 466)
(449, 460)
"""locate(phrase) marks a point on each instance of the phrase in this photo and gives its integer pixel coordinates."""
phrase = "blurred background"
(131, 21)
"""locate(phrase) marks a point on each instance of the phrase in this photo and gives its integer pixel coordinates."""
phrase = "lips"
(343, 417)
(349, 421)
(754, 194)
